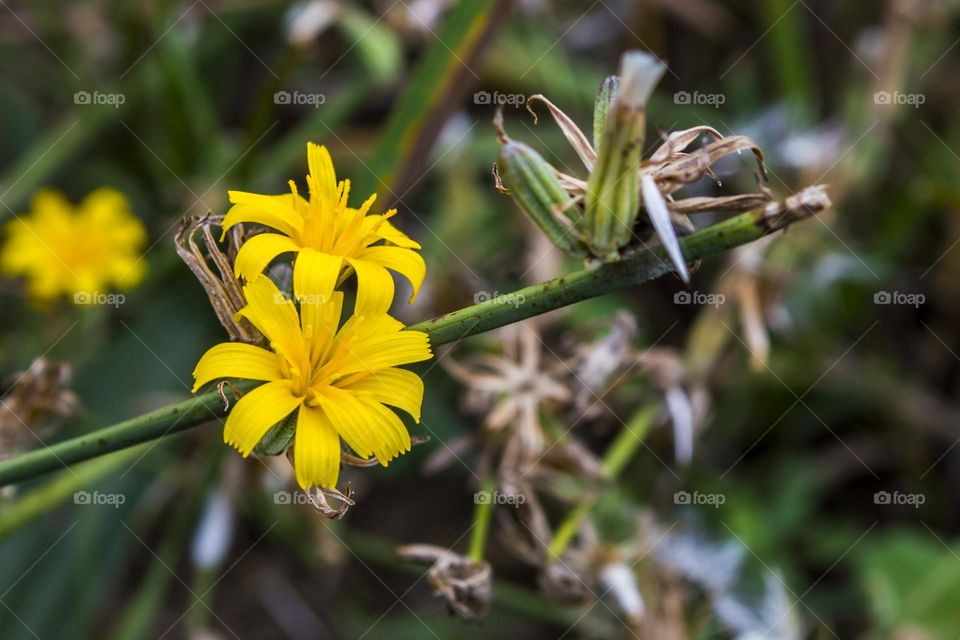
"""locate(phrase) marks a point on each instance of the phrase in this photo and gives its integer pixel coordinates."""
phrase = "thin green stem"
(491, 314)
(481, 519)
(619, 453)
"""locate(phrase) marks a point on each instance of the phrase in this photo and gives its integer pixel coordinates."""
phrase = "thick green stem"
(619, 453)
(503, 310)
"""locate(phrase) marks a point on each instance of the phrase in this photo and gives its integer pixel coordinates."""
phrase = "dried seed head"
(30, 398)
(595, 364)
(465, 585)
(559, 582)
(512, 389)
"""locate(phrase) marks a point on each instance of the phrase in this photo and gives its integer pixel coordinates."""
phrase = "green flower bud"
(612, 198)
(534, 185)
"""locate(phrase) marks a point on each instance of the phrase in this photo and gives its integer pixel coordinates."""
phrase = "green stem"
(24, 510)
(619, 453)
(481, 520)
(491, 314)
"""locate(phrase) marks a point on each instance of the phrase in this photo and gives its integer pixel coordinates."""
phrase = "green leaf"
(278, 438)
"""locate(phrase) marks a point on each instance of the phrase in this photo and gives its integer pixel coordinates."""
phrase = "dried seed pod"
(612, 198)
(534, 185)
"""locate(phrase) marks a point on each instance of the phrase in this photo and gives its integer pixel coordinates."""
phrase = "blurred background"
(818, 371)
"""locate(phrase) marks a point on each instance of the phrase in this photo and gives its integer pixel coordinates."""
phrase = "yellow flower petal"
(396, 387)
(274, 315)
(278, 212)
(323, 179)
(350, 419)
(387, 429)
(406, 262)
(366, 345)
(236, 360)
(256, 412)
(393, 235)
(314, 278)
(315, 275)
(257, 252)
(316, 450)
(374, 287)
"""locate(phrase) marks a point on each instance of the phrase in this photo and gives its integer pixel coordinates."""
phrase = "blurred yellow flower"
(327, 236)
(79, 251)
(339, 380)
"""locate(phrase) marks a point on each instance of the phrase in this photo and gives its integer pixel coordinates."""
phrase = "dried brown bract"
(219, 282)
(331, 503)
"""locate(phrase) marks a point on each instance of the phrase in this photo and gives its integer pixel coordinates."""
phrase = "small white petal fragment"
(213, 536)
(681, 413)
(639, 74)
(659, 216)
(619, 580)
(310, 20)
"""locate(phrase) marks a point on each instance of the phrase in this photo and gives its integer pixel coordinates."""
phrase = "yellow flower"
(62, 249)
(327, 236)
(339, 380)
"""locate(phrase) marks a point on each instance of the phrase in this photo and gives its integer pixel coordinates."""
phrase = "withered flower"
(28, 401)
(465, 585)
(595, 363)
(222, 287)
(513, 388)
(600, 213)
